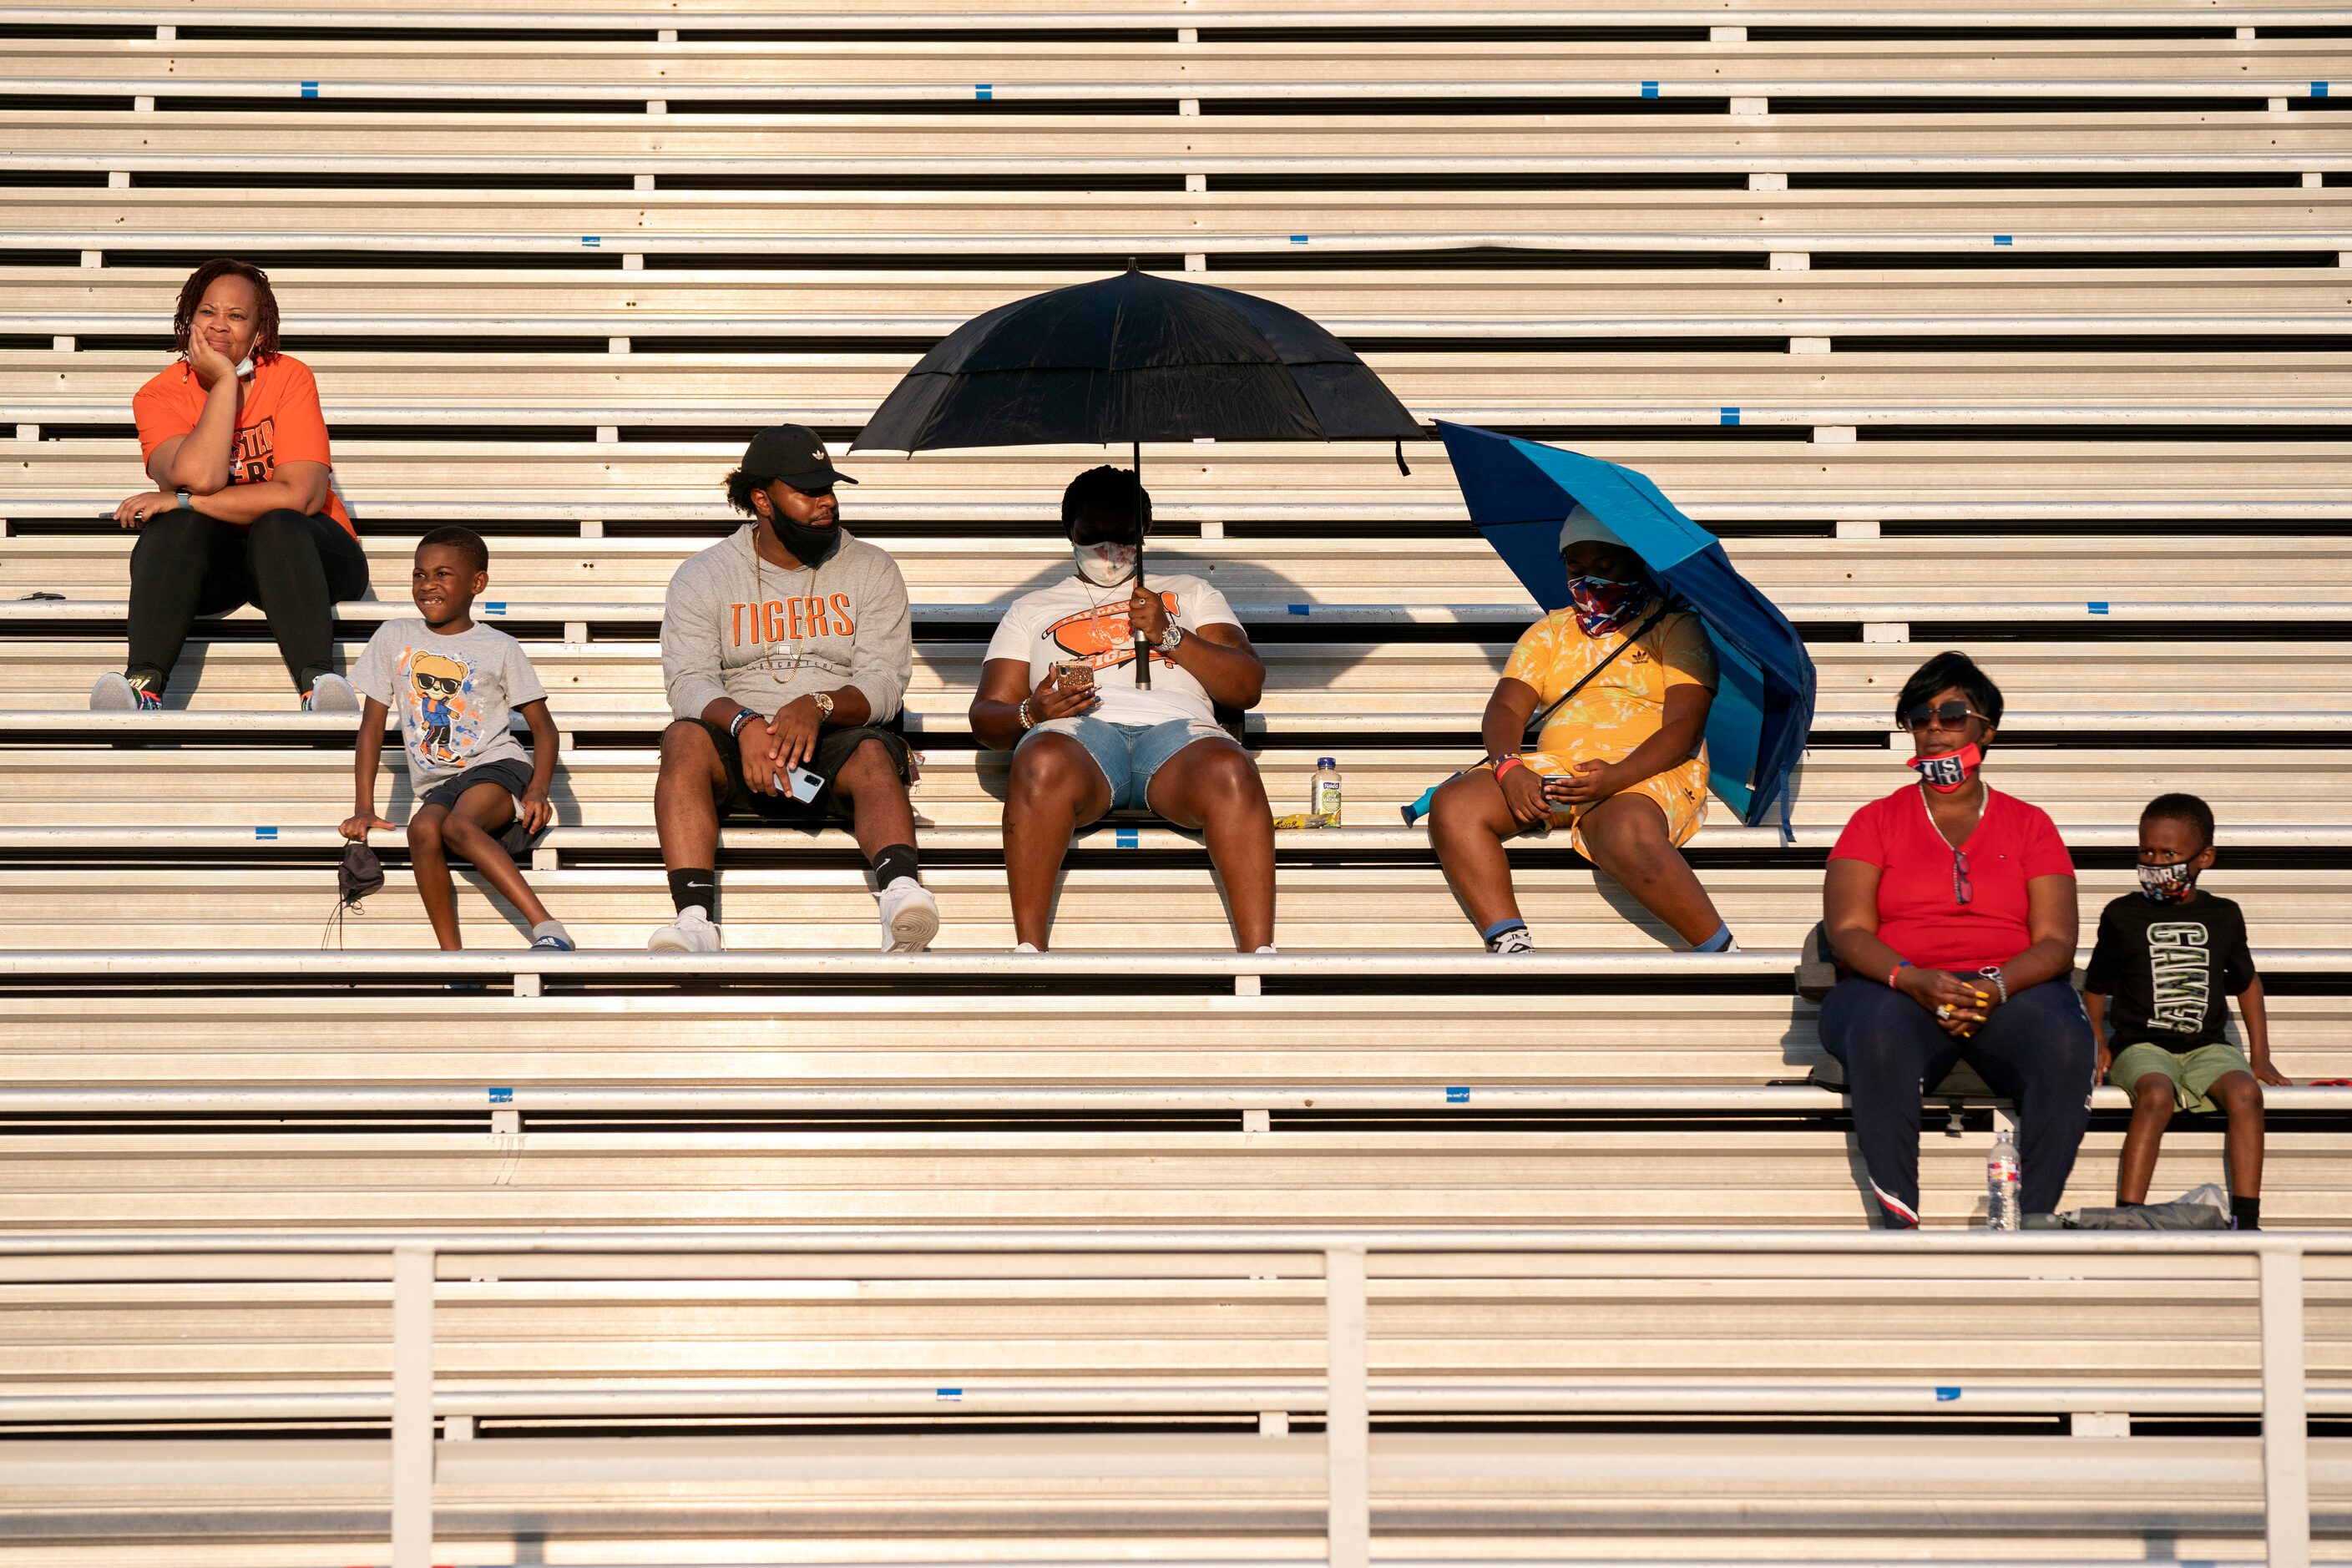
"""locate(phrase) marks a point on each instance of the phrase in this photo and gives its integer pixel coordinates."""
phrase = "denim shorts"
(1128, 754)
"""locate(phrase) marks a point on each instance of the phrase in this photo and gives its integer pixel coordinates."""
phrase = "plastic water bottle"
(1323, 796)
(2002, 1168)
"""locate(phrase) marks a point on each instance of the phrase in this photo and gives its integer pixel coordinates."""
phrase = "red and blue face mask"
(1602, 605)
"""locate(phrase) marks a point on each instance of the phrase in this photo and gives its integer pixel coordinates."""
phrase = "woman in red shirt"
(245, 510)
(1951, 908)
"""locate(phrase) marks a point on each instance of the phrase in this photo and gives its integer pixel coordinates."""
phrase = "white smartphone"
(799, 784)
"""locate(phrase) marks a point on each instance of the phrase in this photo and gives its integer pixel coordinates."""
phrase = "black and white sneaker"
(1513, 941)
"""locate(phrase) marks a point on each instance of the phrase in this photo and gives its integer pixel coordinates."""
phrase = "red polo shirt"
(1918, 915)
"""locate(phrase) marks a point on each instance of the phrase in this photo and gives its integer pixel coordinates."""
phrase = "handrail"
(1345, 1259)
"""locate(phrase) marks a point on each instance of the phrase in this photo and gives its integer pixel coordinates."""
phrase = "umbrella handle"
(1143, 643)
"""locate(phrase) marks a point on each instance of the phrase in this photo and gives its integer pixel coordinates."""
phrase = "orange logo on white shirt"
(1103, 637)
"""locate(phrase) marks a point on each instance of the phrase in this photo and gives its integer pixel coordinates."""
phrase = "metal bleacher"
(1965, 323)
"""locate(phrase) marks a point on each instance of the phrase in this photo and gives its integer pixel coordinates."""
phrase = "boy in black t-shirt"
(2168, 955)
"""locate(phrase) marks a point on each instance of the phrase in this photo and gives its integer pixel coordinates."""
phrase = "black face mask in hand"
(810, 546)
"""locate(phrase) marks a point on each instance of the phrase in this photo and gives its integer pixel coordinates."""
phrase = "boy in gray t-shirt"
(455, 685)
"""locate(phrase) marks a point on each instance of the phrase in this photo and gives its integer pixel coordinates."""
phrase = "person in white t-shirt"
(1058, 689)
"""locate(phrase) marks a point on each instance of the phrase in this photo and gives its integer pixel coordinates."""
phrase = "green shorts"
(2192, 1072)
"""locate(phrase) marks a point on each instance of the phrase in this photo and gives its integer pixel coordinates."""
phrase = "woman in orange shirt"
(245, 510)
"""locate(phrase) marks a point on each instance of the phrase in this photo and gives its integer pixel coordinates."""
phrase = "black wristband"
(735, 725)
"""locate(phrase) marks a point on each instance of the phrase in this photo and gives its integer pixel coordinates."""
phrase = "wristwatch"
(181, 500)
(1170, 643)
(823, 700)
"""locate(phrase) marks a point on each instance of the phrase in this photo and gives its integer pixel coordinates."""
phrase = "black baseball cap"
(794, 454)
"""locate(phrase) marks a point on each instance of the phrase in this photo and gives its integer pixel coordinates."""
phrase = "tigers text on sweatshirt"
(737, 626)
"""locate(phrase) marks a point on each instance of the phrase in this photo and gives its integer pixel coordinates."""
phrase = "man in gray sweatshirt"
(785, 648)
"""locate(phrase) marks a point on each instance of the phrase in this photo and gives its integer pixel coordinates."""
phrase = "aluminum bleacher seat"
(882, 149)
(1097, 229)
(911, 72)
(1434, 579)
(496, 305)
(464, 393)
(619, 1170)
(1365, 689)
(200, 783)
(497, 485)
(957, 18)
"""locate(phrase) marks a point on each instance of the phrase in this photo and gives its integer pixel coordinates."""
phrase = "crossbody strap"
(1537, 723)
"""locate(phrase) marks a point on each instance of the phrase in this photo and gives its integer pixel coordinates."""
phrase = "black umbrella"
(1137, 358)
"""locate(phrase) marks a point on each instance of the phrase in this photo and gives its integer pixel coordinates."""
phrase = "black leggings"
(2036, 1049)
(295, 566)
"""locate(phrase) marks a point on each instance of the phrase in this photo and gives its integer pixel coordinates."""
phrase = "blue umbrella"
(1520, 492)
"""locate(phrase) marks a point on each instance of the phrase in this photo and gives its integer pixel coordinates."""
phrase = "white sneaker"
(1269, 947)
(910, 916)
(1512, 942)
(1024, 947)
(692, 931)
(330, 693)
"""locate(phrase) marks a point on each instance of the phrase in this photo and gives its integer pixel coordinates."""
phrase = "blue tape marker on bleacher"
(950, 1396)
(591, 240)
(1298, 240)
(265, 834)
(2099, 606)
(1127, 837)
(495, 607)
(1728, 416)
(2320, 89)
(501, 1095)
(1649, 89)
(2002, 239)
(309, 89)
(983, 91)
(1945, 1396)
(1301, 609)
(1457, 1096)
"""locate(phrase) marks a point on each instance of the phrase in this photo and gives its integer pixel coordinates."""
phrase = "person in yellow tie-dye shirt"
(1622, 766)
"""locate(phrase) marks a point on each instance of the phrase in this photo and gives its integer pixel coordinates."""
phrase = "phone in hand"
(1074, 674)
(799, 784)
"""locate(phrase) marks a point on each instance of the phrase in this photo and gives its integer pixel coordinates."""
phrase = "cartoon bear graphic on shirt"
(434, 683)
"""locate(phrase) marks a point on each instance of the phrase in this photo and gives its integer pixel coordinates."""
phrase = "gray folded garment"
(2199, 1208)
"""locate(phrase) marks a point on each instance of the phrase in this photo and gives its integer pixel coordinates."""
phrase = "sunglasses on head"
(1951, 715)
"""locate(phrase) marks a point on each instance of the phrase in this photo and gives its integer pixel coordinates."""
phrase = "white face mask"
(1105, 565)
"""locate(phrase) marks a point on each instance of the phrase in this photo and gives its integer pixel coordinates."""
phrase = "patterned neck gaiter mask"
(1604, 607)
